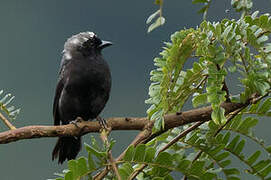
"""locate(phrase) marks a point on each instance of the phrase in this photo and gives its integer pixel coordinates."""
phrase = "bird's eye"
(92, 42)
(96, 41)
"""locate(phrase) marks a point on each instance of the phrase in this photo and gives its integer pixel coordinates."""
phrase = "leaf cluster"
(216, 50)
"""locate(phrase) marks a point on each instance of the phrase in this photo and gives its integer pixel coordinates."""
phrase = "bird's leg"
(77, 120)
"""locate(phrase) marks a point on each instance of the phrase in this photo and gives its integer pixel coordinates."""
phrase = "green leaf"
(129, 154)
(125, 170)
(164, 158)
(226, 138)
(182, 166)
(152, 16)
(233, 143)
(82, 166)
(91, 163)
(232, 171)
(268, 149)
(233, 178)
(225, 163)
(199, 100)
(218, 115)
(73, 168)
(239, 147)
(95, 152)
(216, 149)
(265, 106)
(208, 176)
(253, 157)
(261, 165)
(197, 168)
(222, 156)
(5, 106)
(159, 22)
(199, 1)
(254, 15)
(254, 107)
(68, 176)
(150, 153)
(139, 153)
(266, 171)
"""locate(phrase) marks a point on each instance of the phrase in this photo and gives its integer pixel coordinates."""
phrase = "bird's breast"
(86, 77)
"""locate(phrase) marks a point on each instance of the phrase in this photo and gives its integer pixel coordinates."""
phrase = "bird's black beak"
(105, 44)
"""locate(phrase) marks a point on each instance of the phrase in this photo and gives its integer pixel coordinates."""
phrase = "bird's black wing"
(59, 89)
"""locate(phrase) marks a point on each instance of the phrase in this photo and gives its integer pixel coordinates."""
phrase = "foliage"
(160, 20)
(218, 50)
(5, 106)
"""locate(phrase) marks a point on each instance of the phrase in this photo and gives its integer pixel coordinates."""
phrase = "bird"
(83, 88)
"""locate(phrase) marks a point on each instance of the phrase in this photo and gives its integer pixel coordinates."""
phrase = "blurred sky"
(32, 35)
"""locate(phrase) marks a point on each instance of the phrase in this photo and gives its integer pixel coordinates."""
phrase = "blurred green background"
(32, 34)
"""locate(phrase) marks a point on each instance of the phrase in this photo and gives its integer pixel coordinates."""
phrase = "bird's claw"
(77, 120)
(102, 122)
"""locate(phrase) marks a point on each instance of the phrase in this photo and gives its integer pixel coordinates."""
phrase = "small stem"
(231, 116)
(137, 171)
(7, 123)
(104, 135)
(197, 156)
(244, 62)
(182, 134)
(173, 141)
(114, 166)
(201, 82)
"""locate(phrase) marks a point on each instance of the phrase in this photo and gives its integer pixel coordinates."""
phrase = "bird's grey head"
(85, 43)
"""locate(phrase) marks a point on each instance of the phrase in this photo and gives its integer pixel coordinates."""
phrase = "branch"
(117, 123)
(196, 115)
(7, 123)
(173, 141)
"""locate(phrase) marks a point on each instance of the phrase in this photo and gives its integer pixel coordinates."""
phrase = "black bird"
(82, 90)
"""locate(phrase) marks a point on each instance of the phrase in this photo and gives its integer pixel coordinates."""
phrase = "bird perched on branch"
(82, 90)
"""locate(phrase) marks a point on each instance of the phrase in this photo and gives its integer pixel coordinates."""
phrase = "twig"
(137, 171)
(173, 141)
(244, 62)
(201, 82)
(182, 134)
(225, 87)
(141, 137)
(176, 139)
(7, 123)
(104, 135)
(231, 116)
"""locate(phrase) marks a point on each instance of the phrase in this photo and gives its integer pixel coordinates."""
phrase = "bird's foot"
(102, 123)
(77, 120)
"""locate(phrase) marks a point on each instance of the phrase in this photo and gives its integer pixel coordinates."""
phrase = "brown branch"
(118, 123)
(173, 120)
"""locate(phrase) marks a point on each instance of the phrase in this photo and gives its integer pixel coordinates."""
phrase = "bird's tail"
(66, 148)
